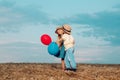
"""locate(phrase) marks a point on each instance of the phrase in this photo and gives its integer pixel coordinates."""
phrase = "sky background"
(95, 27)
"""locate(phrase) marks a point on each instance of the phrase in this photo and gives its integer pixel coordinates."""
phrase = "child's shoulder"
(65, 35)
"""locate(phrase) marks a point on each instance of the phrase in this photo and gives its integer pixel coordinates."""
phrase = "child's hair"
(58, 29)
(59, 36)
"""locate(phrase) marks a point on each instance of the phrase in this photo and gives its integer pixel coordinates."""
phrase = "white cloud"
(97, 54)
(4, 20)
(85, 36)
(4, 9)
(8, 58)
(91, 41)
(9, 16)
(87, 60)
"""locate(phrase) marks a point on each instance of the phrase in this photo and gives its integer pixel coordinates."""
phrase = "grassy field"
(41, 71)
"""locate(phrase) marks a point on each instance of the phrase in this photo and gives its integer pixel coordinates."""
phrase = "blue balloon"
(53, 48)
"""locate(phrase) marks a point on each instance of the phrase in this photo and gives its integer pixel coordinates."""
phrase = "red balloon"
(46, 39)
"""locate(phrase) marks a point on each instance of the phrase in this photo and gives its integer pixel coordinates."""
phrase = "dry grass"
(38, 71)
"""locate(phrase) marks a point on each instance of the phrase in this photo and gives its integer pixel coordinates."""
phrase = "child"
(69, 48)
(59, 31)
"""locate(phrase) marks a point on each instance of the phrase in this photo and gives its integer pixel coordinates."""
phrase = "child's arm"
(59, 42)
(74, 42)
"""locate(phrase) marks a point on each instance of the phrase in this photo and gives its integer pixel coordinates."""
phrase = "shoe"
(69, 69)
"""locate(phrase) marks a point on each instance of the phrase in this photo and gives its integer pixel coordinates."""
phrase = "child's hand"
(73, 42)
(59, 42)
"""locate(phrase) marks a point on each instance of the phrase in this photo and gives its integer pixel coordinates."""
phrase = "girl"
(59, 31)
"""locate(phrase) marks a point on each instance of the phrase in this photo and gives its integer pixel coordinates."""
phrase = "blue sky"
(95, 27)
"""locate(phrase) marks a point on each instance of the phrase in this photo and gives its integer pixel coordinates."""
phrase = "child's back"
(68, 41)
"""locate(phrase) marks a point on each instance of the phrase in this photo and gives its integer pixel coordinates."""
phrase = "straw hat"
(58, 29)
(67, 28)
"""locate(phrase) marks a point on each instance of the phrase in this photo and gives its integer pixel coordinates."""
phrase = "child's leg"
(62, 52)
(67, 62)
(71, 59)
(63, 64)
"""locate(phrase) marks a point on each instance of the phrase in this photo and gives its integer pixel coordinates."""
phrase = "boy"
(69, 42)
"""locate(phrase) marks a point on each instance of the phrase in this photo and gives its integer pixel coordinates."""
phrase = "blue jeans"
(69, 59)
(61, 53)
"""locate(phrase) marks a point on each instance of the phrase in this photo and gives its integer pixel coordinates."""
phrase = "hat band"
(66, 29)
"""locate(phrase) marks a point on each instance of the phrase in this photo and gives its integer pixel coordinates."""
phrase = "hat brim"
(66, 29)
